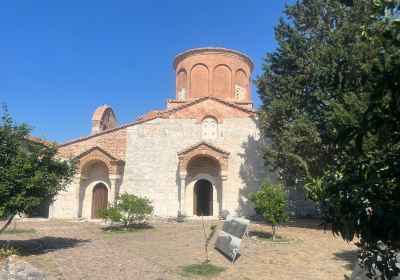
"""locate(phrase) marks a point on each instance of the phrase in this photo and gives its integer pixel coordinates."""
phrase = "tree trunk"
(273, 232)
(205, 239)
(8, 223)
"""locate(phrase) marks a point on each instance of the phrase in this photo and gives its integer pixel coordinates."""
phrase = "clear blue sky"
(61, 59)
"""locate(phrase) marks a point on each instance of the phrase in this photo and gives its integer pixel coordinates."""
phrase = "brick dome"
(219, 72)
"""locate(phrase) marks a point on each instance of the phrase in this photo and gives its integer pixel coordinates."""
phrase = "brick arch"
(88, 161)
(199, 81)
(203, 149)
(203, 164)
(181, 83)
(96, 154)
(222, 81)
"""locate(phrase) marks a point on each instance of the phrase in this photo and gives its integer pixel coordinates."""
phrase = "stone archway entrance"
(197, 162)
(99, 199)
(203, 198)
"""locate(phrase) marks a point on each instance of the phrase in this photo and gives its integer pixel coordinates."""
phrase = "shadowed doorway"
(100, 194)
(203, 198)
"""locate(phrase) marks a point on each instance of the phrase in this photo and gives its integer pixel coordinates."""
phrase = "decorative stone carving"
(240, 92)
(182, 94)
(209, 128)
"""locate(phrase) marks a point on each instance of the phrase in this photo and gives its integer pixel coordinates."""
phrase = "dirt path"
(80, 250)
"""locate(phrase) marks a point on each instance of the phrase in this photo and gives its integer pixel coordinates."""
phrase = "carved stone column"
(182, 189)
(78, 181)
(224, 178)
(114, 179)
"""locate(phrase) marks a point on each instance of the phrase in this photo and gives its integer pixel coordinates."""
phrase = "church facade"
(198, 156)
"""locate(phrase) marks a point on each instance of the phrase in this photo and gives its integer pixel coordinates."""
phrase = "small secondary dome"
(103, 119)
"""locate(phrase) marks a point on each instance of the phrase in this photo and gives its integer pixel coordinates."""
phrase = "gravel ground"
(81, 250)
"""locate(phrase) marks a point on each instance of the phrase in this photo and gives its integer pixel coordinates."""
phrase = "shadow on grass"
(350, 256)
(310, 223)
(267, 236)
(37, 246)
(260, 234)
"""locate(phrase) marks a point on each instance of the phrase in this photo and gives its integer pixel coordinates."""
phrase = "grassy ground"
(202, 269)
(19, 231)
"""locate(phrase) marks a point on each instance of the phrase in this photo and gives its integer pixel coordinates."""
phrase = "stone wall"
(152, 162)
(65, 202)
(151, 169)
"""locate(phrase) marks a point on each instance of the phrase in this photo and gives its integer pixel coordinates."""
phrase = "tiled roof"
(108, 154)
(161, 114)
(181, 56)
(198, 144)
(39, 140)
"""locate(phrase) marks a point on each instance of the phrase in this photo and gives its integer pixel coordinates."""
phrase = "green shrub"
(272, 204)
(7, 251)
(128, 210)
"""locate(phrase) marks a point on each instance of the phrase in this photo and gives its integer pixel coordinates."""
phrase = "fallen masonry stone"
(17, 269)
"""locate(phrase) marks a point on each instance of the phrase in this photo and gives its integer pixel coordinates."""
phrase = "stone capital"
(182, 175)
(115, 177)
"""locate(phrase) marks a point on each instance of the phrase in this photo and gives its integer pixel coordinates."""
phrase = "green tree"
(30, 172)
(128, 210)
(363, 198)
(272, 204)
(312, 86)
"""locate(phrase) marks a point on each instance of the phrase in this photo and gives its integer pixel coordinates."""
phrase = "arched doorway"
(99, 200)
(203, 198)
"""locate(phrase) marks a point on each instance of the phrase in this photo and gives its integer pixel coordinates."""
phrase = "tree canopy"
(312, 86)
(272, 204)
(331, 105)
(30, 172)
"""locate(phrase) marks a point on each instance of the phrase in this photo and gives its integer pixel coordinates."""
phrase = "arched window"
(209, 128)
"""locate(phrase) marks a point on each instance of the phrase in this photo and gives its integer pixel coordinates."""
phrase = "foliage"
(315, 189)
(203, 269)
(272, 204)
(128, 210)
(7, 251)
(312, 85)
(213, 228)
(363, 198)
(30, 172)
(208, 238)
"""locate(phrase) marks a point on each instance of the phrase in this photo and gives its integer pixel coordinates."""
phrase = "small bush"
(128, 210)
(7, 251)
(272, 204)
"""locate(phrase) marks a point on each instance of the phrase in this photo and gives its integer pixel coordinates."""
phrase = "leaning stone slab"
(17, 269)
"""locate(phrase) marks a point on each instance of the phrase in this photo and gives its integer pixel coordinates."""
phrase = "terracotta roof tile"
(161, 114)
(198, 144)
(108, 154)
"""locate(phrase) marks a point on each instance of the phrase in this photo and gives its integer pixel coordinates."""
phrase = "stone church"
(198, 156)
